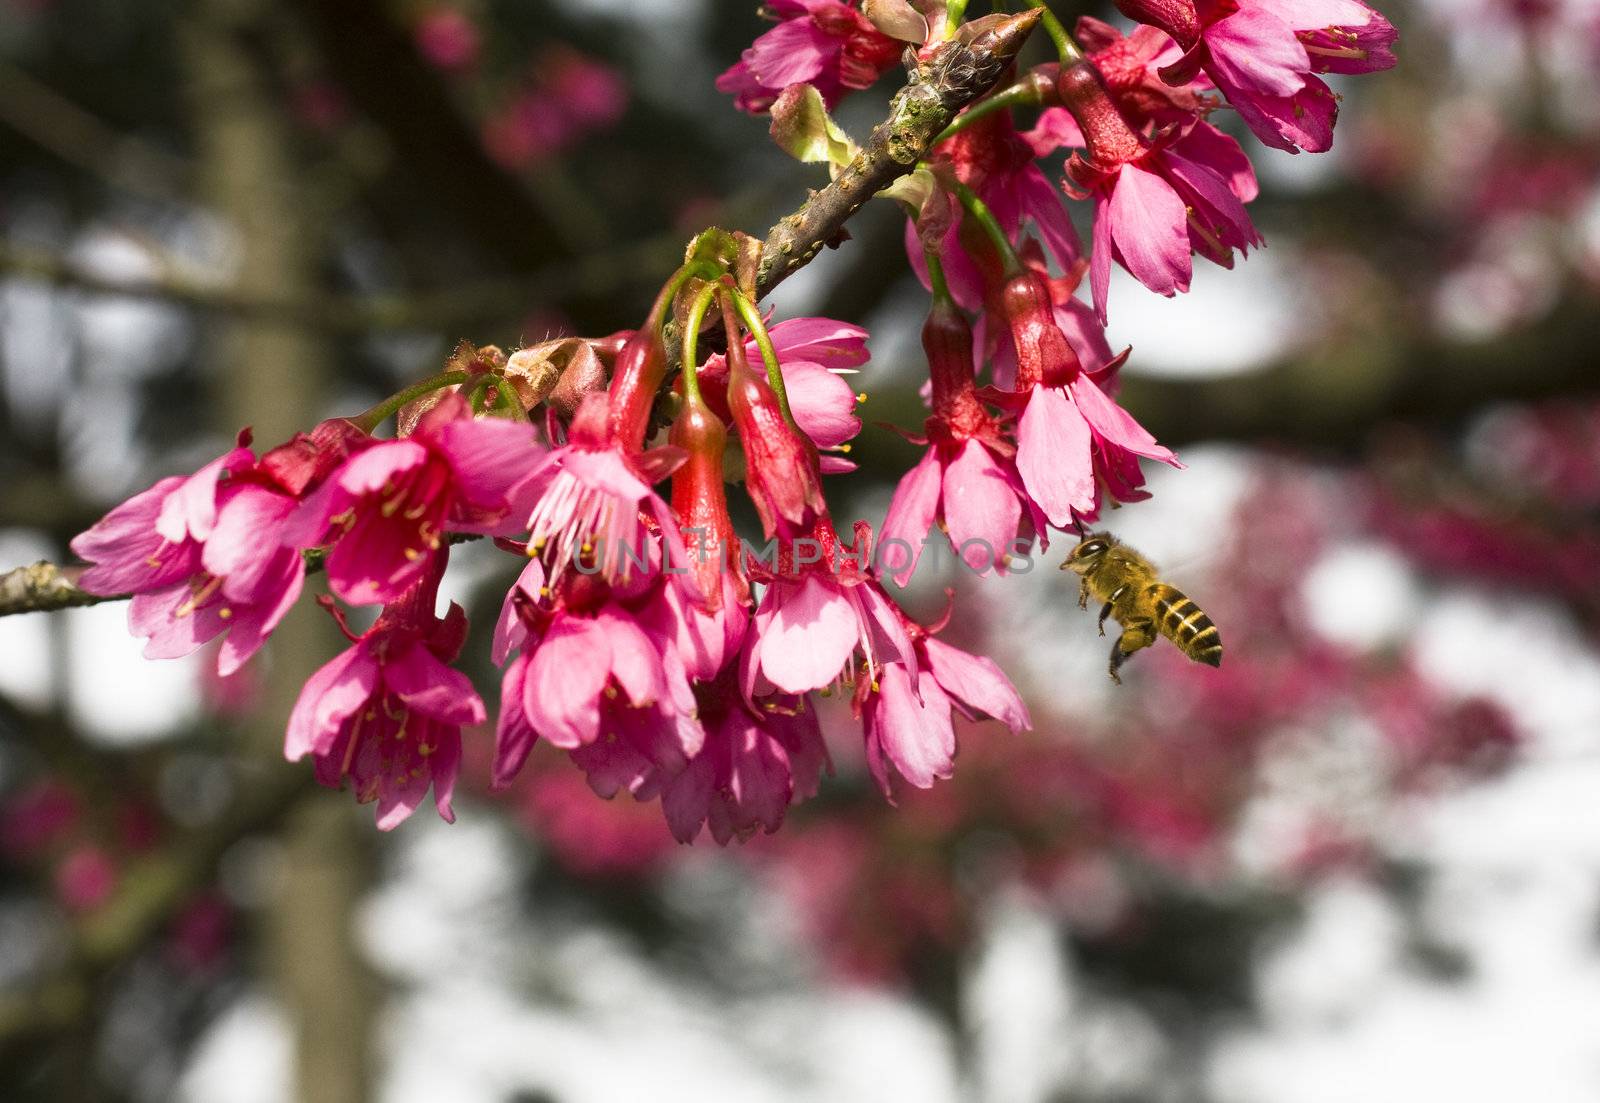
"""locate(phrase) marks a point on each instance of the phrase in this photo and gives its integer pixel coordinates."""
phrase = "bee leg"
(1105, 611)
(1083, 593)
(1135, 635)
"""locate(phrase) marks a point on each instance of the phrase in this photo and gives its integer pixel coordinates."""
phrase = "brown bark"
(273, 378)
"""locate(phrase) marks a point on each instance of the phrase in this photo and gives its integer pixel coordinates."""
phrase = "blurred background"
(1361, 861)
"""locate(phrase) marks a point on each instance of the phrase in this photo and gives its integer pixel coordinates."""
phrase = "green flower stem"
(508, 398)
(369, 420)
(475, 394)
(936, 280)
(701, 268)
(750, 314)
(979, 212)
(954, 12)
(1066, 48)
(691, 338)
(1021, 94)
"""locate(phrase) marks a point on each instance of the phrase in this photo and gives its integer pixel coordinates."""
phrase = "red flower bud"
(700, 499)
(301, 463)
(781, 472)
(947, 341)
(1106, 131)
(1179, 18)
(1043, 354)
(641, 366)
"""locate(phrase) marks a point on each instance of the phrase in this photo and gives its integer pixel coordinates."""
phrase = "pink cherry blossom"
(387, 712)
(815, 354)
(826, 43)
(1001, 166)
(592, 680)
(593, 502)
(1262, 57)
(203, 556)
(386, 511)
(1156, 201)
(907, 712)
(821, 607)
(966, 481)
(247, 581)
(154, 538)
(1131, 66)
(1072, 438)
(757, 760)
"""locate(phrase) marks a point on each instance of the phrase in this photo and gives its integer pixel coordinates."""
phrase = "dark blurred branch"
(1335, 400)
(151, 890)
(372, 57)
(49, 119)
(595, 273)
(917, 114)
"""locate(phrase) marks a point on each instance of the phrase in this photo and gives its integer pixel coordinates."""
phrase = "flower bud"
(641, 366)
(947, 341)
(1179, 18)
(1106, 132)
(781, 471)
(699, 497)
(1043, 354)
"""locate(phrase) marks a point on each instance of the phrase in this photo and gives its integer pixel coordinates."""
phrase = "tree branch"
(918, 113)
(595, 273)
(150, 892)
(41, 588)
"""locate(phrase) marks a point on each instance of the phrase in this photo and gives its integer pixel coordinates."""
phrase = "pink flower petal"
(1150, 226)
(1055, 129)
(633, 659)
(1115, 424)
(1100, 255)
(981, 510)
(1042, 203)
(370, 471)
(1053, 456)
(513, 737)
(1258, 52)
(792, 52)
(428, 686)
(823, 341)
(687, 797)
(172, 624)
(978, 683)
(810, 635)
(127, 553)
(915, 734)
(191, 509)
(248, 529)
(911, 515)
(489, 456)
(509, 631)
(330, 697)
(561, 693)
(823, 404)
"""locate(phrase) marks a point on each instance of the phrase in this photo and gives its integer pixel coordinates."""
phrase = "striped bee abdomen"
(1185, 624)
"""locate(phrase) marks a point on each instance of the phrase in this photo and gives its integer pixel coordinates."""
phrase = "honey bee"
(1144, 605)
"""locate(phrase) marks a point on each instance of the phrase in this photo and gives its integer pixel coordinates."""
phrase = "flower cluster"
(671, 659)
(1045, 444)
